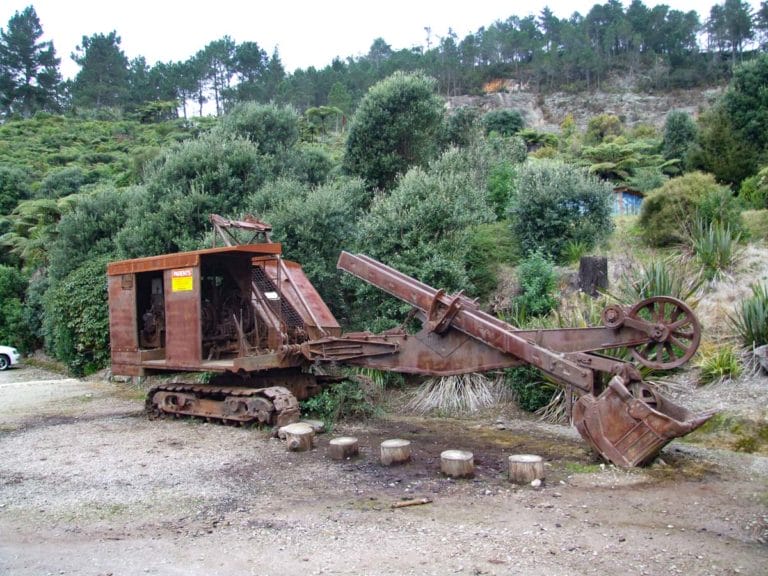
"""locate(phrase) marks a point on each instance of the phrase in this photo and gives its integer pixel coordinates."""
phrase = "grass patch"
(719, 363)
(727, 431)
(581, 468)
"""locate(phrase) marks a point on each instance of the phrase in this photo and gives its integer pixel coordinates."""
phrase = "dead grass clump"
(457, 395)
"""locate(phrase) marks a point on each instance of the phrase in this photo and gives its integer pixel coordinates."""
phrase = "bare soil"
(89, 485)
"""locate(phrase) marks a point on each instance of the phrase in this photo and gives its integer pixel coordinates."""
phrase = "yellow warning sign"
(181, 280)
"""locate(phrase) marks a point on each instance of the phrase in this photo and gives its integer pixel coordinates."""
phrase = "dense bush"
(756, 224)
(77, 318)
(558, 203)
(734, 138)
(490, 246)
(502, 185)
(668, 212)
(346, 399)
(679, 134)
(504, 122)
(422, 228)
(214, 174)
(532, 391)
(63, 182)
(603, 128)
(538, 286)
(88, 230)
(13, 327)
(460, 127)
(273, 129)
(396, 126)
(720, 150)
(315, 225)
(308, 163)
(14, 187)
(753, 192)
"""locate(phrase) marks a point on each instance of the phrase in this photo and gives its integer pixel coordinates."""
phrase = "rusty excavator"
(254, 321)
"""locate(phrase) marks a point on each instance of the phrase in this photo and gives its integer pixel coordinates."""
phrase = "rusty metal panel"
(299, 291)
(182, 317)
(123, 335)
(128, 370)
(629, 428)
(187, 259)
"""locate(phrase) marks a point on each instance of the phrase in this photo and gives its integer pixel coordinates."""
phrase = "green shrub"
(504, 122)
(719, 206)
(77, 318)
(750, 319)
(345, 399)
(667, 210)
(14, 187)
(601, 128)
(538, 285)
(753, 192)
(502, 183)
(490, 245)
(13, 328)
(396, 126)
(756, 223)
(679, 134)
(315, 225)
(532, 392)
(557, 203)
(274, 129)
(460, 127)
(718, 364)
(422, 228)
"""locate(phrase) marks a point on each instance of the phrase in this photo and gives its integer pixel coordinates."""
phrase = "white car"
(8, 357)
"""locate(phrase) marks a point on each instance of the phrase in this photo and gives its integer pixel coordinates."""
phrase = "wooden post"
(524, 468)
(593, 274)
(299, 437)
(343, 447)
(395, 451)
(457, 463)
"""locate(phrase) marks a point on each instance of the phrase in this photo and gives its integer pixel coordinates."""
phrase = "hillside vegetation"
(463, 197)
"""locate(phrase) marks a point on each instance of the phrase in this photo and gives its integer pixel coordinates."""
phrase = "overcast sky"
(306, 33)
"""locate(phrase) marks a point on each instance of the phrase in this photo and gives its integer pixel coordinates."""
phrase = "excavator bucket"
(630, 427)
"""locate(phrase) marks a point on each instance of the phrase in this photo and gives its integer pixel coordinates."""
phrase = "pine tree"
(29, 74)
(103, 80)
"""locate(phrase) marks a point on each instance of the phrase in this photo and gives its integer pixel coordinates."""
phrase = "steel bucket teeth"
(630, 429)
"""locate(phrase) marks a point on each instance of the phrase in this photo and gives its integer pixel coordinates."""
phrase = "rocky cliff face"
(546, 112)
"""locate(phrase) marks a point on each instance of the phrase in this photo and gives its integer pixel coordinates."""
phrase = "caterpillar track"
(272, 406)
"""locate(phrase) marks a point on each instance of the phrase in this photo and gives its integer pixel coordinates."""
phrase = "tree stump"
(395, 451)
(457, 463)
(299, 437)
(524, 468)
(343, 447)
(317, 425)
(593, 274)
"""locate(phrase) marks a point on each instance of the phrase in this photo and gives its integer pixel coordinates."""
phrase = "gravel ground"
(89, 486)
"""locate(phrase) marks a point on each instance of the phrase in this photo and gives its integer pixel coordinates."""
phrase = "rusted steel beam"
(465, 317)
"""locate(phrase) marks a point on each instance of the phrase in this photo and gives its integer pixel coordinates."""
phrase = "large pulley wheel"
(676, 333)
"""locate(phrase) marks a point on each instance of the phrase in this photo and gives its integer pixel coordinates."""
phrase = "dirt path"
(89, 486)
